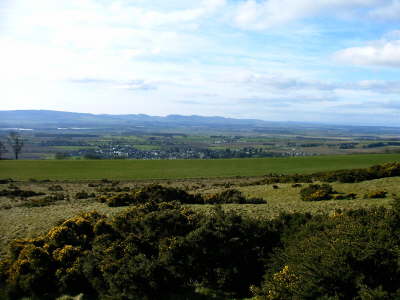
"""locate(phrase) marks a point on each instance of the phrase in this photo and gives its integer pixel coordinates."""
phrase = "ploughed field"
(178, 169)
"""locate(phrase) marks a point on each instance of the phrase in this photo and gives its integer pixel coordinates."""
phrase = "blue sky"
(330, 61)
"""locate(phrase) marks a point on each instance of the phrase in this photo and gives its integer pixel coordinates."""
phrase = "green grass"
(72, 148)
(174, 169)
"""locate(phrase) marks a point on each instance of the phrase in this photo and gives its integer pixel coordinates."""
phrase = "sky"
(326, 61)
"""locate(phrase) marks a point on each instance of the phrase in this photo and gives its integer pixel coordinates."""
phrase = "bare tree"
(3, 149)
(16, 143)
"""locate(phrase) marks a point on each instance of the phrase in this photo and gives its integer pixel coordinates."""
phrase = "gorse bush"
(43, 266)
(158, 193)
(163, 250)
(346, 256)
(55, 188)
(349, 196)
(376, 194)
(344, 176)
(16, 192)
(155, 193)
(84, 195)
(316, 192)
(357, 175)
(230, 196)
(123, 199)
(285, 178)
(6, 180)
(152, 251)
(45, 201)
(110, 189)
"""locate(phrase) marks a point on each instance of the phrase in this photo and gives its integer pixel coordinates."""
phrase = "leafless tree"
(16, 143)
(3, 149)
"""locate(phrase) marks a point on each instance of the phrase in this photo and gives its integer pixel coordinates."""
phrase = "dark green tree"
(3, 150)
(16, 143)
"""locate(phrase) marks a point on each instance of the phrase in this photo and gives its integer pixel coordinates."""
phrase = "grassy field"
(175, 169)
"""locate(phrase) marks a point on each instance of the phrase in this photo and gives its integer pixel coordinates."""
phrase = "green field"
(174, 169)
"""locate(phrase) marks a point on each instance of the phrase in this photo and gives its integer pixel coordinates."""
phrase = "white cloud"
(163, 57)
(379, 53)
(259, 15)
(137, 84)
(58, 40)
(391, 11)
(278, 83)
(121, 13)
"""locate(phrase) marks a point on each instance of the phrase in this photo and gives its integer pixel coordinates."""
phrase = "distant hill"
(44, 118)
(52, 120)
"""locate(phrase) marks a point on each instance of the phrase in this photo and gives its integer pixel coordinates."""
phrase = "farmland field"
(176, 169)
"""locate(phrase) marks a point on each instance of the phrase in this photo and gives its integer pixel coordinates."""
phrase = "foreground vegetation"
(33, 207)
(167, 251)
(323, 235)
(176, 169)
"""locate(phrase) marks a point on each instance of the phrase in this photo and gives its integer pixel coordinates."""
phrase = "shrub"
(123, 199)
(103, 198)
(147, 251)
(336, 258)
(6, 181)
(165, 250)
(34, 180)
(55, 188)
(48, 266)
(94, 184)
(158, 194)
(350, 196)
(115, 189)
(84, 195)
(284, 178)
(316, 192)
(155, 193)
(45, 201)
(339, 197)
(16, 192)
(230, 196)
(227, 196)
(345, 176)
(376, 194)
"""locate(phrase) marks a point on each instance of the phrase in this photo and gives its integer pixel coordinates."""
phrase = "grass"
(72, 148)
(175, 169)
